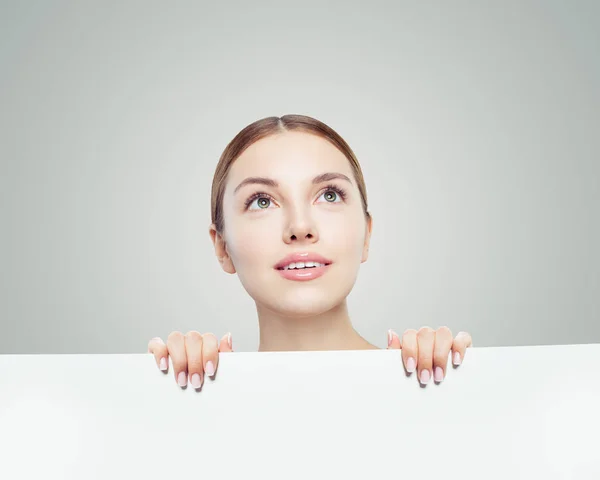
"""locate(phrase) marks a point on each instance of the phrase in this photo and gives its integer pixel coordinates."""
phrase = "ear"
(369, 230)
(221, 249)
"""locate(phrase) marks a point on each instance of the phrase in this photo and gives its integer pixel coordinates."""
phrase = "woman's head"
(288, 185)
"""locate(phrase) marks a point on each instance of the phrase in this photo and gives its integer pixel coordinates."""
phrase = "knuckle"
(158, 349)
(154, 343)
(211, 343)
(193, 335)
(409, 332)
(175, 335)
(443, 335)
(425, 331)
(463, 339)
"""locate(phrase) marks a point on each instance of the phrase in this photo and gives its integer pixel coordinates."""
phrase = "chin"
(302, 310)
(303, 304)
(300, 299)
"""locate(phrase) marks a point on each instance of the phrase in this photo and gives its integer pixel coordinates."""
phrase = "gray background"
(477, 125)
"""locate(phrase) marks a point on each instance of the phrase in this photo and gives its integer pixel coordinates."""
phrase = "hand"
(192, 355)
(427, 350)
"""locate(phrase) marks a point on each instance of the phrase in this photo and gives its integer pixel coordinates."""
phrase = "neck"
(331, 330)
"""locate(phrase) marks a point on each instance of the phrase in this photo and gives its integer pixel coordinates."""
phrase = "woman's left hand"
(427, 350)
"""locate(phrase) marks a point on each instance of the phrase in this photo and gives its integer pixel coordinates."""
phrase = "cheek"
(344, 234)
(252, 244)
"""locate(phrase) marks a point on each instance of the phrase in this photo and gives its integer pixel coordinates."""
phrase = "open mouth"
(303, 265)
(303, 273)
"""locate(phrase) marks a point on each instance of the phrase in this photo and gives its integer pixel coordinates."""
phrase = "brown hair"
(270, 126)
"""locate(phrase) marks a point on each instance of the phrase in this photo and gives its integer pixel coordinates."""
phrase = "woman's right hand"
(192, 354)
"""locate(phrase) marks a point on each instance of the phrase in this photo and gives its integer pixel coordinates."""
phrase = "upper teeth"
(303, 265)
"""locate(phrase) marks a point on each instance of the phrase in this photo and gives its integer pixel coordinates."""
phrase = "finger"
(193, 349)
(226, 344)
(157, 347)
(176, 346)
(410, 350)
(210, 353)
(425, 340)
(441, 350)
(459, 347)
(393, 341)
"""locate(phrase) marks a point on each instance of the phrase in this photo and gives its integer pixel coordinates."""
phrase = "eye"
(330, 196)
(262, 200)
(333, 193)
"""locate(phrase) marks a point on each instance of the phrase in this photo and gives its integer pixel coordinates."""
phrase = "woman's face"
(264, 223)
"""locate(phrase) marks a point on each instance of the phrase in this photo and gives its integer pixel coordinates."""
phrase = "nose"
(300, 229)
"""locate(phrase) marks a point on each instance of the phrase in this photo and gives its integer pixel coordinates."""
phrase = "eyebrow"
(324, 177)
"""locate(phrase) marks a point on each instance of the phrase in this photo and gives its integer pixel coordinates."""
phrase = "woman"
(290, 217)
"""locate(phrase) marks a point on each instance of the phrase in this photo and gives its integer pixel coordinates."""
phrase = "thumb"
(225, 344)
(394, 342)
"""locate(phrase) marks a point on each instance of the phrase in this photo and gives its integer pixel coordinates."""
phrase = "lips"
(302, 257)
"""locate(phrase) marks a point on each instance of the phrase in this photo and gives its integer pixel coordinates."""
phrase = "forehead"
(289, 155)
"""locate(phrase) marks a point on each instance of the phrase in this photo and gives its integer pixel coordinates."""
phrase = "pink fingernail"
(182, 379)
(196, 380)
(210, 368)
(411, 365)
(229, 342)
(425, 376)
(439, 374)
(163, 363)
(456, 360)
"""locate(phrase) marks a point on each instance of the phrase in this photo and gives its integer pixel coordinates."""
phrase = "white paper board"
(511, 412)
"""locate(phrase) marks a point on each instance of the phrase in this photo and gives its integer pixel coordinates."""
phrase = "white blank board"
(510, 412)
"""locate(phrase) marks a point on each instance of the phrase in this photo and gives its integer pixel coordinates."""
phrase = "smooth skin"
(195, 354)
(294, 192)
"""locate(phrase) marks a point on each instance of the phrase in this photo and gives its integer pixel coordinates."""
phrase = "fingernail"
(163, 363)
(196, 380)
(182, 379)
(229, 342)
(391, 335)
(439, 374)
(411, 365)
(425, 377)
(209, 368)
(456, 360)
